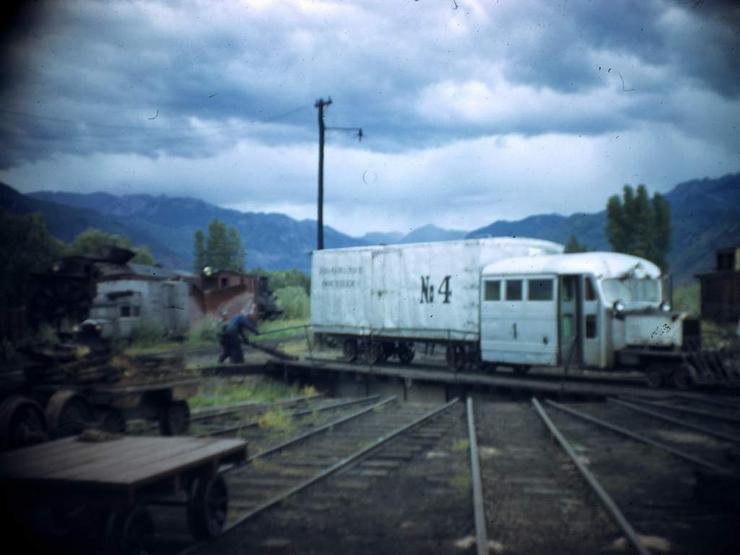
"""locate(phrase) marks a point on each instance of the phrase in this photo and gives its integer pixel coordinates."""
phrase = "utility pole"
(320, 104)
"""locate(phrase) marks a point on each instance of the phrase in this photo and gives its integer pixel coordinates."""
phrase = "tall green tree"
(199, 251)
(639, 225)
(26, 247)
(90, 241)
(237, 256)
(223, 248)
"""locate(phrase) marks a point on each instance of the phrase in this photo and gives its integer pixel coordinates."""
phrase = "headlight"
(75, 328)
(98, 327)
(665, 307)
(618, 307)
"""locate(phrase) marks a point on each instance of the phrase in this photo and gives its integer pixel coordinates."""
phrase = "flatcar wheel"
(349, 350)
(22, 423)
(174, 418)
(67, 413)
(130, 533)
(406, 352)
(681, 378)
(208, 504)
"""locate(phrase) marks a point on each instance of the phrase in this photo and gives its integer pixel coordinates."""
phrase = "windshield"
(631, 290)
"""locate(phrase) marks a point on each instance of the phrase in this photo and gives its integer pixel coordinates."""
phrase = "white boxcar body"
(423, 291)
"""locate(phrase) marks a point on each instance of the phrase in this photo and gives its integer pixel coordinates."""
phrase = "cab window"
(539, 290)
(492, 291)
(513, 290)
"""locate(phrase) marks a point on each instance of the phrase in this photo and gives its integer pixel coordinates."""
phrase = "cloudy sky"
(472, 110)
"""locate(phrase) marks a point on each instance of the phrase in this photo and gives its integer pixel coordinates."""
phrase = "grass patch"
(461, 445)
(250, 389)
(276, 419)
(461, 482)
(686, 298)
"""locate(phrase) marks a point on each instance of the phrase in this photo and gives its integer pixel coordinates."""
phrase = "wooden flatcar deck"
(117, 469)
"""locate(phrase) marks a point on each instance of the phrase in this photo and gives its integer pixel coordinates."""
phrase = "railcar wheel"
(521, 369)
(112, 420)
(67, 413)
(374, 352)
(22, 423)
(130, 533)
(406, 352)
(349, 350)
(455, 356)
(655, 376)
(174, 418)
(681, 378)
(208, 504)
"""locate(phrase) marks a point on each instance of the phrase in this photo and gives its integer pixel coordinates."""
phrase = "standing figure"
(233, 335)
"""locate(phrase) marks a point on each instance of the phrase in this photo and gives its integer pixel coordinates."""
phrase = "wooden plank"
(64, 455)
(123, 455)
(120, 463)
(215, 452)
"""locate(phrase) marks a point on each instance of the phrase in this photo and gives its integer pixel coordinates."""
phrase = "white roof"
(543, 244)
(600, 264)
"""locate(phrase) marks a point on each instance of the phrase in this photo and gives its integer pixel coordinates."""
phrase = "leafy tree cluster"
(26, 247)
(90, 241)
(286, 278)
(639, 225)
(220, 248)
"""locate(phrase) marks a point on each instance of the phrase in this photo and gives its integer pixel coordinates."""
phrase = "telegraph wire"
(208, 130)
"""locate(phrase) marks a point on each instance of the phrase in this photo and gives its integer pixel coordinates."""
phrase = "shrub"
(146, 333)
(293, 301)
(206, 330)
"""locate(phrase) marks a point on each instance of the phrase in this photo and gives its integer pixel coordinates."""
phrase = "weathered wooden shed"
(720, 288)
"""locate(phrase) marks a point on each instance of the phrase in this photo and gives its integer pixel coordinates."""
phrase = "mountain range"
(705, 216)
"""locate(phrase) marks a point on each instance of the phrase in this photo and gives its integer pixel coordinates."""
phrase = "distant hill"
(66, 222)
(423, 234)
(431, 232)
(705, 215)
(382, 237)
(272, 241)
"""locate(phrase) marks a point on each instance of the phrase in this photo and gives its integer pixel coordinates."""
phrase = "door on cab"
(580, 322)
(519, 323)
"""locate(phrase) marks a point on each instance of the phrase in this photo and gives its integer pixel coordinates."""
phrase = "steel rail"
(337, 466)
(641, 438)
(686, 410)
(213, 412)
(609, 504)
(716, 402)
(481, 534)
(672, 420)
(301, 412)
(325, 427)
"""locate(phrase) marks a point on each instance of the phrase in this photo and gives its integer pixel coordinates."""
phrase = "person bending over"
(233, 335)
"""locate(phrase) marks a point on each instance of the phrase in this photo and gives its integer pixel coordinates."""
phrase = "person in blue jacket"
(232, 336)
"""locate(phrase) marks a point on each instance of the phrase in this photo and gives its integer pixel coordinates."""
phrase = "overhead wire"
(192, 132)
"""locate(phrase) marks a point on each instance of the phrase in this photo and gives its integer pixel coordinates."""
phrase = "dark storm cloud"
(193, 79)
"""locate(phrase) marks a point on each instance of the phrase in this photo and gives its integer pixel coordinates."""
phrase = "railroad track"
(615, 478)
(290, 479)
(668, 486)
